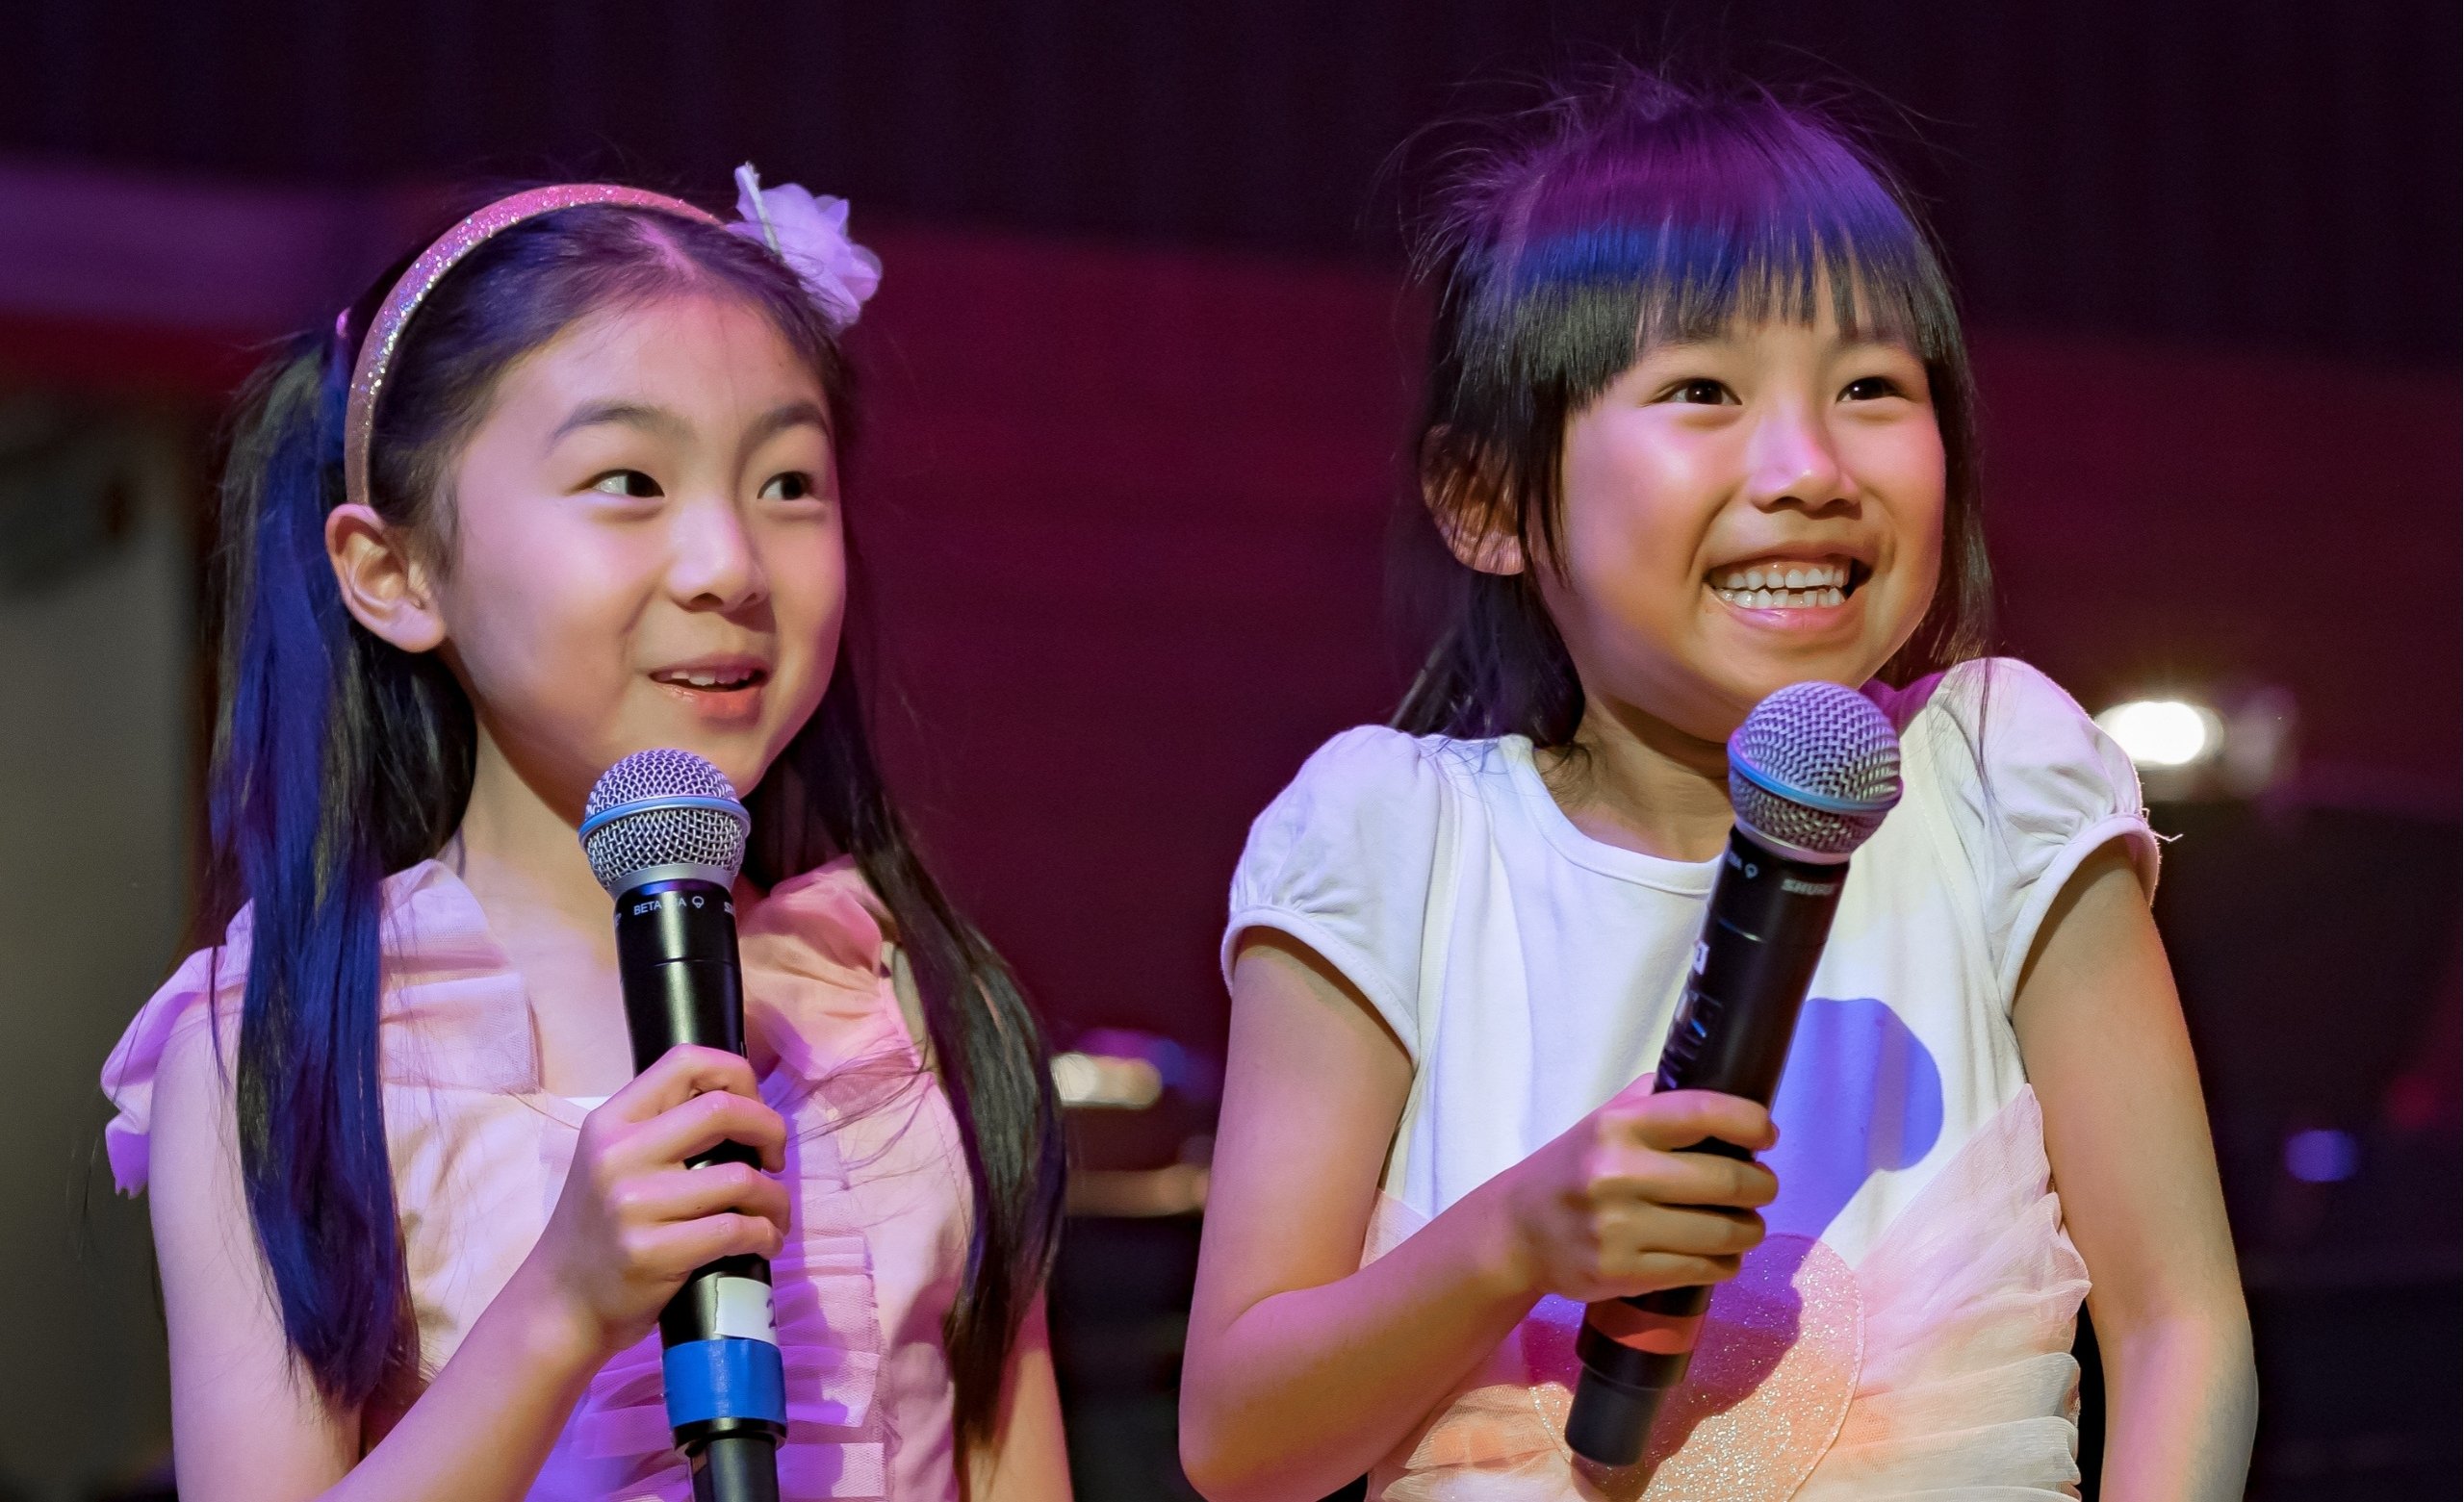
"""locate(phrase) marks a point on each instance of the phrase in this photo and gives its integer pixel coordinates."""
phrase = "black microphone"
(665, 836)
(1811, 772)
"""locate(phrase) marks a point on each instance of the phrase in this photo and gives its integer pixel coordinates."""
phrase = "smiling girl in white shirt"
(1698, 426)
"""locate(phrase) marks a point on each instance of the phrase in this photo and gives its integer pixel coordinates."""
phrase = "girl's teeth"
(1765, 587)
(1782, 598)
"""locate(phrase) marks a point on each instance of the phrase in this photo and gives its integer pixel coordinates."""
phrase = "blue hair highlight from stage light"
(308, 1012)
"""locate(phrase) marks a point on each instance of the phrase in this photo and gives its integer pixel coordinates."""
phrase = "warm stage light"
(2163, 733)
(1097, 1080)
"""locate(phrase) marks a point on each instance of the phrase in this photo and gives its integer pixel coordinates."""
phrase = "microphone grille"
(662, 808)
(1814, 769)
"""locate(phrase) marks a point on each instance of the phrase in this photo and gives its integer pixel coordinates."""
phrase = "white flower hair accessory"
(810, 235)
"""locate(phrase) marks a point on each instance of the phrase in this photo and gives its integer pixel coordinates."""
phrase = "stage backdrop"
(1126, 514)
(1129, 514)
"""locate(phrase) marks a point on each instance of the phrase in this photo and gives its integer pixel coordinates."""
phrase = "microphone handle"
(726, 1384)
(1762, 939)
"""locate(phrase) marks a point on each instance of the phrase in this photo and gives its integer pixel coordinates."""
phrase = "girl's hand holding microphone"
(1615, 1206)
(633, 1222)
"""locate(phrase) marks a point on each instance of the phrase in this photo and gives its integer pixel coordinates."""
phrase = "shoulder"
(2005, 740)
(1371, 771)
(171, 1058)
(1370, 795)
(2027, 784)
(825, 981)
(178, 1051)
(1985, 694)
(1377, 761)
(1345, 858)
(831, 910)
(190, 1082)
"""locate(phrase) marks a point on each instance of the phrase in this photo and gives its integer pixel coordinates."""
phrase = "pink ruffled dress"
(878, 1214)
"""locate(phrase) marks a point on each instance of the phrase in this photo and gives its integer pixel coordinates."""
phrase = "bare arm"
(248, 1426)
(1026, 1460)
(2100, 1030)
(1304, 1369)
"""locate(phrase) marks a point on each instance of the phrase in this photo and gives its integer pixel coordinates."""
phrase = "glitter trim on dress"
(1943, 1365)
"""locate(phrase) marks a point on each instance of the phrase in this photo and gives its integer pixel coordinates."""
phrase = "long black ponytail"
(336, 760)
(825, 797)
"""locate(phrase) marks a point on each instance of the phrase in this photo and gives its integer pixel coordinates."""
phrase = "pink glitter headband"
(385, 331)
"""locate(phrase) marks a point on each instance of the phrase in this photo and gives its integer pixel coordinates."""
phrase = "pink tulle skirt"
(1941, 1367)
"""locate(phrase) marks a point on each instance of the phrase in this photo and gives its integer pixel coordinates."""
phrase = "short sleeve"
(2032, 788)
(180, 1007)
(1342, 859)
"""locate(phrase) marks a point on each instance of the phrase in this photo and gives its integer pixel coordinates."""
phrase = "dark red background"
(1127, 513)
(1127, 508)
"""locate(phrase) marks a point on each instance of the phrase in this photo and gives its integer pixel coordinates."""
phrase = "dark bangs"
(1641, 215)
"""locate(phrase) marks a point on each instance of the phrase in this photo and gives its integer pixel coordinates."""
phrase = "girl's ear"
(384, 586)
(1466, 497)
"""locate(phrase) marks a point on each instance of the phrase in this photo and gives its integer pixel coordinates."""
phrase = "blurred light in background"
(2163, 733)
(1140, 1193)
(1099, 1080)
(2232, 744)
(2322, 1156)
(1175, 1066)
(1140, 1132)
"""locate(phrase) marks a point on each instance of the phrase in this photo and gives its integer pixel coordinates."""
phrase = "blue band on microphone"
(1789, 792)
(640, 806)
(727, 1378)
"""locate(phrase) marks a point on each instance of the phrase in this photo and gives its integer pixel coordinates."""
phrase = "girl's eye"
(1871, 387)
(1699, 390)
(794, 485)
(626, 482)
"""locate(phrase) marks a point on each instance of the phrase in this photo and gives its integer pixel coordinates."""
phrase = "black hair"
(1634, 212)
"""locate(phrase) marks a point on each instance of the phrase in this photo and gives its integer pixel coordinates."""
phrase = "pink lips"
(721, 691)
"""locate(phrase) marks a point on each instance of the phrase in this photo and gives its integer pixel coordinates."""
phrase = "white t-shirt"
(1532, 971)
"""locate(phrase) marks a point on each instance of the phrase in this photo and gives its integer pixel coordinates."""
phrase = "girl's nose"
(1792, 461)
(714, 565)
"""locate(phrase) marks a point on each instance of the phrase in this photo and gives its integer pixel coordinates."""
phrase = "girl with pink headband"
(563, 488)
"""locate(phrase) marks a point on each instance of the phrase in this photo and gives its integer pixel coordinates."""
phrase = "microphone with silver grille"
(665, 836)
(1811, 772)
